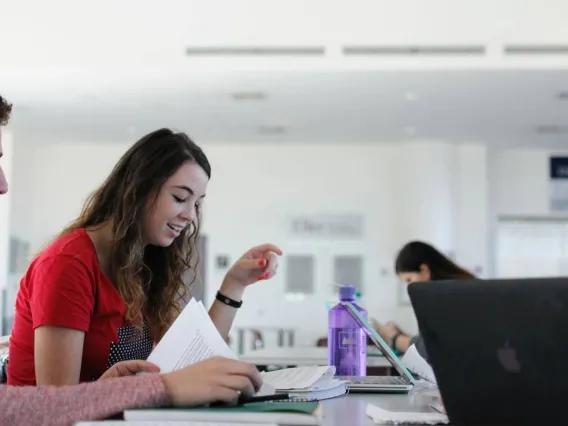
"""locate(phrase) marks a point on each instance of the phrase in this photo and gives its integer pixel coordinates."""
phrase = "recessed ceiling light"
(248, 96)
(410, 130)
(551, 129)
(272, 130)
(411, 96)
(86, 97)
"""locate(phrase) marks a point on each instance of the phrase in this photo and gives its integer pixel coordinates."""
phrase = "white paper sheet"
(385, 417)
(192, 338)
(418, 365)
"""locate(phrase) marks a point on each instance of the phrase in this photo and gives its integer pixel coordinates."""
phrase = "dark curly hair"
(5, 111)
(150, 279)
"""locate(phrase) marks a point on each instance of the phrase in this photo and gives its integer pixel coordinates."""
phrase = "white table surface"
(300, 356)
(350, 410)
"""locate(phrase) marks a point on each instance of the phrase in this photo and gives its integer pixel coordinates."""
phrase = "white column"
(427, 200)
(424, 205)
(6, 161)
(473, 217)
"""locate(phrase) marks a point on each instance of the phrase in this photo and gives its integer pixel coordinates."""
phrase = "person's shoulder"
(73, 249)
(76, 242)
(69, 264)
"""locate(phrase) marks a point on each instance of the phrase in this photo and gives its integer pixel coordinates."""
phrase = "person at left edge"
(107, 288)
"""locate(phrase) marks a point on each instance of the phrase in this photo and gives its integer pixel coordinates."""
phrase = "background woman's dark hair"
(417, 253)
(5, 111)
(149, 278)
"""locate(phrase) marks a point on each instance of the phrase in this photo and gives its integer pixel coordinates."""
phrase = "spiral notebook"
(307, 383)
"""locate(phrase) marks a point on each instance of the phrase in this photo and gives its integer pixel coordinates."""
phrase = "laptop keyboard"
(376, 380)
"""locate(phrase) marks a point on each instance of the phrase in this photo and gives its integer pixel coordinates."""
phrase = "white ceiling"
(110, 71)
(497, 107)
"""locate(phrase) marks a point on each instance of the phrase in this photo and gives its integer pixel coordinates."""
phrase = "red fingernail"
(260, 278)
(266, 275)
(262, 262)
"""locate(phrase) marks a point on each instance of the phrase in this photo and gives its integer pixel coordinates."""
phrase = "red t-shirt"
(64, 286)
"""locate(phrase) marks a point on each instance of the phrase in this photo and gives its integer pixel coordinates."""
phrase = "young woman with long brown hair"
(109, 286)
(213, 380)
(418, 261)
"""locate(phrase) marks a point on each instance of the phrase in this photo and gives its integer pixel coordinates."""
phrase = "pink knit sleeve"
(63, 406)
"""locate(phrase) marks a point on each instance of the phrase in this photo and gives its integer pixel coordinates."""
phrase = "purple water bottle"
(346, 340)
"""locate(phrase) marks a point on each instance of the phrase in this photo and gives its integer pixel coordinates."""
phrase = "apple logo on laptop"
(508, 358)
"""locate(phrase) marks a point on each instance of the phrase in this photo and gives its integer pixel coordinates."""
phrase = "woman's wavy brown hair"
(5, 111)
(149, 278)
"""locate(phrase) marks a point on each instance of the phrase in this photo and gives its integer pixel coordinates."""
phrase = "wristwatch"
(394, 338)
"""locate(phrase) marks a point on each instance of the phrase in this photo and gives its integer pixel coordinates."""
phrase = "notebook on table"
(307, 383)
(287, 413)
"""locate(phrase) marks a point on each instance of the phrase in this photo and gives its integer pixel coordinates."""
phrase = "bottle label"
(347, 338)
(348, 351)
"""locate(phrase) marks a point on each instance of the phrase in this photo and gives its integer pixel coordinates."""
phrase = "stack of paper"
(307, 383)
(384, 417)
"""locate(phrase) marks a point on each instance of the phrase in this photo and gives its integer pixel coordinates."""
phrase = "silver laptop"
(379, 384)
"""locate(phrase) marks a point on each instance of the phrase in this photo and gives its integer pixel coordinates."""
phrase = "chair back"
(4, 346)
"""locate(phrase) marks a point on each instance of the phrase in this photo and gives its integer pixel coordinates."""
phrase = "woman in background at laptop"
(417, 262)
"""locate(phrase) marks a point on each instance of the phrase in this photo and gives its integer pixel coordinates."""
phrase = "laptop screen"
(379, 342)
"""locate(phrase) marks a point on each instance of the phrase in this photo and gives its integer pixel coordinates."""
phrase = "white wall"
(472, 223)
(5, 208)
(5, 211)
(403, 190)
(521, 188)
(521, 181)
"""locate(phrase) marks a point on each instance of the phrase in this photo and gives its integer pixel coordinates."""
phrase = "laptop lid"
(379, 342)
(498, 347)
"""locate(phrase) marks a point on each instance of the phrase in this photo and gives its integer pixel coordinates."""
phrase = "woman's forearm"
(223, 315)
(66, 405)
